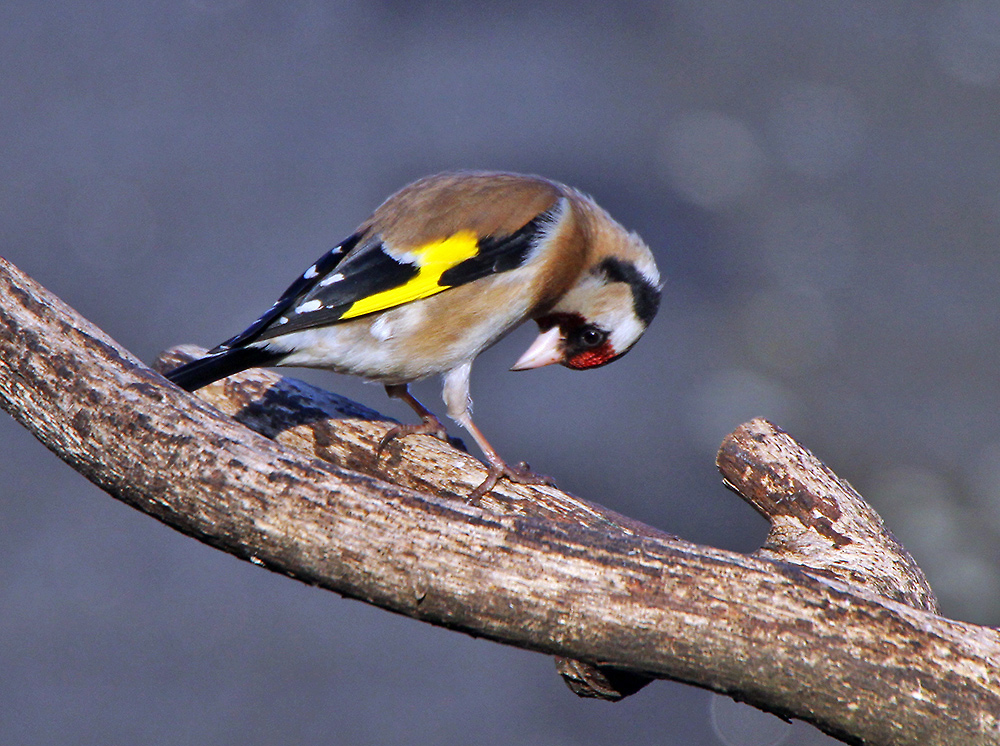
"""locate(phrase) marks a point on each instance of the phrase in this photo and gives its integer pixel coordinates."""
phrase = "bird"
(443, 269)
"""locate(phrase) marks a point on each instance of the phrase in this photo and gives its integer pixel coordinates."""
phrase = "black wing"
(353, 271)
(369, 270)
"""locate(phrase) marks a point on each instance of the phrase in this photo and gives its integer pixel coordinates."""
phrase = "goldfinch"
(443, 269)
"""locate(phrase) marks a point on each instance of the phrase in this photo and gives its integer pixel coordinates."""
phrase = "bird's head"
(600, 317)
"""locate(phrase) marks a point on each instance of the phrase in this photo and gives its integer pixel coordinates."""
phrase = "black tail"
(215, 365)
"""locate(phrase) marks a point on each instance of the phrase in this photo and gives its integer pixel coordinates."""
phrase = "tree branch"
(818, 521)
(531, 567)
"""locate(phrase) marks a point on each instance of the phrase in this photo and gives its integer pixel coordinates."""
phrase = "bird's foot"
(430, 425)
(520, 474)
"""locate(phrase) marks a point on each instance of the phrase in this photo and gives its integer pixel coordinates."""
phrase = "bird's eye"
(589, 337)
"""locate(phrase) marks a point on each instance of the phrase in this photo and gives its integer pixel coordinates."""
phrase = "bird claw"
(430, 426)
(520, 474)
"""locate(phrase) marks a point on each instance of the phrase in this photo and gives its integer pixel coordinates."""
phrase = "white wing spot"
(310, 273)
(283, 320)
(381, 328)
(309, 305)
(331, 279)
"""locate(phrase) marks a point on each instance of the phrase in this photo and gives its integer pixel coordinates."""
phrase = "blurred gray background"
(819, 182)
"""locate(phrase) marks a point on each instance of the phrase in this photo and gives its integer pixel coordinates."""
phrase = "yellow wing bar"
(433, 260)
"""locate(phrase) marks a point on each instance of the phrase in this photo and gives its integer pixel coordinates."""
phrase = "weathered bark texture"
(831, 622)
(817, 519)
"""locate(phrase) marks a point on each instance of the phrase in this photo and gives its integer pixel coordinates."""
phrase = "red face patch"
(594, 358)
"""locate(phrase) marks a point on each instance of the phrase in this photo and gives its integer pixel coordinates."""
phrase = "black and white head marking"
(645, 289)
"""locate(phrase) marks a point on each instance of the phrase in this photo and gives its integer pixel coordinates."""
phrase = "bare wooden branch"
(862, 667)
(817, 519)
(343, 432)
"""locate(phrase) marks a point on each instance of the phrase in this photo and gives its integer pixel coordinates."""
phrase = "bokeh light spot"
(739, 724)
(712, 159)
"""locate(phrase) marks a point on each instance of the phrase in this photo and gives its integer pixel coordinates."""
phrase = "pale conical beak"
(545, 350)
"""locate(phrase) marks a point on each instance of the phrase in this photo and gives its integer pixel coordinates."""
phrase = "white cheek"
(626, 330)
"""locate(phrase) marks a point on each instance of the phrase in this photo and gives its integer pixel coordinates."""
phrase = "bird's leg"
(456, 396)
(429, 424)
(497, 467)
